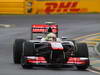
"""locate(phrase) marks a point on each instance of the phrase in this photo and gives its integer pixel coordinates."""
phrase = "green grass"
(95, 40)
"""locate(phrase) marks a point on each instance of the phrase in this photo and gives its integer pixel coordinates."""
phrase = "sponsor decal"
(36, 60)
(62, 7)
(56, 46)
(77, 60)
(43, 28)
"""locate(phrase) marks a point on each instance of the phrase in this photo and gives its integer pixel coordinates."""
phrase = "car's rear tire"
(28, 48)
(17, 50)
(82, 51)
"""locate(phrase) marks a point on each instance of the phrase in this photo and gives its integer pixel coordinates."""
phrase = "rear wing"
(41, 29)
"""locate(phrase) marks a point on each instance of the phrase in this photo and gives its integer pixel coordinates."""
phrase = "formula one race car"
(34, 52)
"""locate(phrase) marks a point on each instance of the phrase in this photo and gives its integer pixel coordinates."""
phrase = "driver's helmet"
(51, 37)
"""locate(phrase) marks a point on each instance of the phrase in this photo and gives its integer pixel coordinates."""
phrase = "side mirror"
(39, 37)
(64, 38)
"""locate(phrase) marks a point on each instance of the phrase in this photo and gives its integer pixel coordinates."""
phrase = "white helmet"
(51, 37)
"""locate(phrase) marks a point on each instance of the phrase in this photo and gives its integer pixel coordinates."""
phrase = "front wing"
(42, 61)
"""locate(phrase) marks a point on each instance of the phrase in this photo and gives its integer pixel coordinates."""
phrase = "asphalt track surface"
(70, 25)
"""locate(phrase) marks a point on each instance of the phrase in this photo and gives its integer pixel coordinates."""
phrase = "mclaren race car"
(41, 51)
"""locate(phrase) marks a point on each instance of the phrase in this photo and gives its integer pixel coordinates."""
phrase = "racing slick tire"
(17, 50)
(82, 51)
(28, 48)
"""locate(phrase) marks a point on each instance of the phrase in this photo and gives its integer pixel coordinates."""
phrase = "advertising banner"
(12, 7)
(65, 6)
(49, 6)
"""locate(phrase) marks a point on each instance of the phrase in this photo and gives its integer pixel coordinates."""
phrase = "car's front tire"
(17, 50)
(28, 48)
(82, 51)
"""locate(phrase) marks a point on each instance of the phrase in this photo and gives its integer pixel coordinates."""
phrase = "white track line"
(6, 25)
(93, 71)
